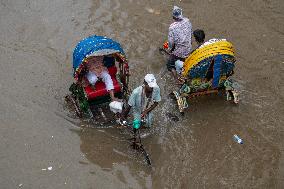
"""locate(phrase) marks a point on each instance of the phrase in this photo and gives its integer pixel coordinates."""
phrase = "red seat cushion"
(112, 71)
(100, 88)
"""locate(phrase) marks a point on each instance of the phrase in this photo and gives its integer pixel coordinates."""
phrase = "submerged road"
(42, 145)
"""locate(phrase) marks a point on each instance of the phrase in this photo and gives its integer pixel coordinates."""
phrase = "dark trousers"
(171, 61)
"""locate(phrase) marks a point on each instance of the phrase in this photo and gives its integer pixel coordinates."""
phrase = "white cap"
(150, 80)
(177, 12)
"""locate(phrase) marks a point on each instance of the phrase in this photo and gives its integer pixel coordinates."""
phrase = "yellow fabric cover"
(220, 47)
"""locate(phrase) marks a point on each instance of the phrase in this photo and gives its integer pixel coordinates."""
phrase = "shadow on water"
(110, 149)
(102, 147)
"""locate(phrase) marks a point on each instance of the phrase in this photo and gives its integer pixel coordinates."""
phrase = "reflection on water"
(110, 149)
(102, 147)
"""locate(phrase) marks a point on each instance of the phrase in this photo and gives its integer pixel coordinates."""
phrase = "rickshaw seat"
(100, 88)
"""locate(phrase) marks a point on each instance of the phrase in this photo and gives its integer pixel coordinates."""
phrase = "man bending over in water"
(199, 37)
(143, 100)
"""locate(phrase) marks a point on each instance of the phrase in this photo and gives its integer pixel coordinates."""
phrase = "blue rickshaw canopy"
(94, 46)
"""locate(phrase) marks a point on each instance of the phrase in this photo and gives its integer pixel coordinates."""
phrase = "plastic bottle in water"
(238, 139)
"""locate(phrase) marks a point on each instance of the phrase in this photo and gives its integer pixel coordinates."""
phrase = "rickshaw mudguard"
(80, 99)
(181, 101)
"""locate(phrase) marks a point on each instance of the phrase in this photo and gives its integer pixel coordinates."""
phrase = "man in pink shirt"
(179, 39)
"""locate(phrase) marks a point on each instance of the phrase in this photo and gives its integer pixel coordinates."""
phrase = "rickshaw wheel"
(172, 96)
(70, 98)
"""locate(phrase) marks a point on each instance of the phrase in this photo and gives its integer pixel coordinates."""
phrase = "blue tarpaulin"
(94, 46)
(217, 71)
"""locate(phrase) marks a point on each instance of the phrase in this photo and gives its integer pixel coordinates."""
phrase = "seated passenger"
(199, 37)
(97, 70)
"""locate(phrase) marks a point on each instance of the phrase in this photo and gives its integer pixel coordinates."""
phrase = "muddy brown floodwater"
(37, 38)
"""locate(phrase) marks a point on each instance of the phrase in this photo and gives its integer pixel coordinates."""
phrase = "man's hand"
(147, 111)
(124, 113)
(144, 113)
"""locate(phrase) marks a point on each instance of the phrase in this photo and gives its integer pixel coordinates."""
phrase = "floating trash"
(238, 139)
(150, 10)
(49, 168)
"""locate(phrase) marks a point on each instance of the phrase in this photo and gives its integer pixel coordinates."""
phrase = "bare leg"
(111, 93)
(176, 76)
(174, 73)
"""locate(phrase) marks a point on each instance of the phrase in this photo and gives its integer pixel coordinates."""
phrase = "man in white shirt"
(143, 100)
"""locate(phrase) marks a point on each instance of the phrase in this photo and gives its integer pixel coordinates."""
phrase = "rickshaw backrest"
(109, 61)
(112, 71)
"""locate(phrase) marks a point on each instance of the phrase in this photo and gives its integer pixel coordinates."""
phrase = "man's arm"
(148, 110)
(131, 102)
(171, 40)
(156, 99)
(125, 112)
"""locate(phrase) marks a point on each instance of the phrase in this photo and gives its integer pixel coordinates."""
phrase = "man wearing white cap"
(179, 39)
(143, 100)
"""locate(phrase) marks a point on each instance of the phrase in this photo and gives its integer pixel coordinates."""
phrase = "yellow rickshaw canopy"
(220, 47)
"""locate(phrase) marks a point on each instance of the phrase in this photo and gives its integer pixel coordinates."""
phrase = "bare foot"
(178, 82)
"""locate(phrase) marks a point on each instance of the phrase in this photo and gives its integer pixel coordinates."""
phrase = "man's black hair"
(199, 35)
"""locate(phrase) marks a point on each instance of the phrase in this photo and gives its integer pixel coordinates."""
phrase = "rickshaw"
(89, 100)
(86, 99)
(208, 70)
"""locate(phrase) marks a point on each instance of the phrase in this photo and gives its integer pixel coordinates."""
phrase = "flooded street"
(37, 131)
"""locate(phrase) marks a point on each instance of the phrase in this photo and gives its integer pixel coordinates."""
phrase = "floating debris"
(150, 10)
(238, 139)
(172, 117)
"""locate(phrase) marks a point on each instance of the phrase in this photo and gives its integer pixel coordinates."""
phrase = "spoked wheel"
(74, 102)
(139, 147)
(146, 155)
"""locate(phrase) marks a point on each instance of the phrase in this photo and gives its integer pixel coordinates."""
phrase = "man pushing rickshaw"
(205, 70)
